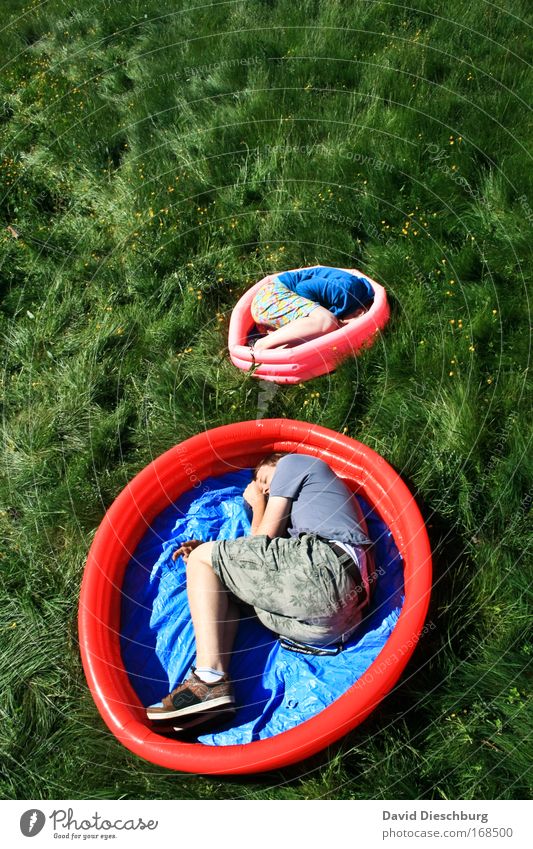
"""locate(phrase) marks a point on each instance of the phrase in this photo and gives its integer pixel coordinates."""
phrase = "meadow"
(156, 160)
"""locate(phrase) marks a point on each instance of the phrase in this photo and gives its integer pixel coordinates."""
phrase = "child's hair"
(269, 460)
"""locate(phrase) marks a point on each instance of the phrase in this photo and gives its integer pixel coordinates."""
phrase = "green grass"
(155, 164)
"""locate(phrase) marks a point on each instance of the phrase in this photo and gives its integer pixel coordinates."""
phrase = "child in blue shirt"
(296, 306)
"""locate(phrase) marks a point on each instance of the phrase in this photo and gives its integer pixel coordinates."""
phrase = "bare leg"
(315, 324)
(214, 616)
(232, 624)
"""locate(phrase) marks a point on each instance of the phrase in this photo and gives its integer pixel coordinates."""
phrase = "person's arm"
(275, 517)
(270, 516)
(257, 501)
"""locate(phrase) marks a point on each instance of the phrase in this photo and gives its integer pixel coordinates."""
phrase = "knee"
(201, 554)
(325, 320)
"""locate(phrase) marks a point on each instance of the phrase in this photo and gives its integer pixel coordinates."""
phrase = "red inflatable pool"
(309, 359)
(214, 452)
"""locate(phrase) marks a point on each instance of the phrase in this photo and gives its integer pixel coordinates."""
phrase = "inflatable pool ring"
(308, 359)
(213, 453)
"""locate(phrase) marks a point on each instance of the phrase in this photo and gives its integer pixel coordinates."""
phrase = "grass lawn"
(156, 160)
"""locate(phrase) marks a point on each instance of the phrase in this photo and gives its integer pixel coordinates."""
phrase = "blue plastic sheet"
(276, 689)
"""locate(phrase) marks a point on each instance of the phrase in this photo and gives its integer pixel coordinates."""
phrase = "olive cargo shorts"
(297, 586)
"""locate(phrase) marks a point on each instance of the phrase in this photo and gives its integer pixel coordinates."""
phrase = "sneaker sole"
(202, 707)
(203, 718)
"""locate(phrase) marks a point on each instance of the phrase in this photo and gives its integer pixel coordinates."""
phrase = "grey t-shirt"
(321, 503)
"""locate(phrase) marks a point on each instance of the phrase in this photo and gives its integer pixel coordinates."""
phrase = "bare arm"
(275, 517)
(270, 516)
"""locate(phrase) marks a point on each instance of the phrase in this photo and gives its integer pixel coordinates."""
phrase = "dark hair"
(269, 460)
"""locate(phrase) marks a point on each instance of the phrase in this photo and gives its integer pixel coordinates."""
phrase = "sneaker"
(193, 696)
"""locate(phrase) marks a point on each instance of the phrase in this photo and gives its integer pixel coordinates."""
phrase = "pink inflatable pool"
(309, 359)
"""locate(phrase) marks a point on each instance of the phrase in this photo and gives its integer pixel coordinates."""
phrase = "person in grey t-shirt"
(309, 586)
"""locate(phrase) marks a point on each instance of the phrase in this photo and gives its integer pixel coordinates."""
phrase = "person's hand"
(185, 548)
(350, 317)
(252, 494)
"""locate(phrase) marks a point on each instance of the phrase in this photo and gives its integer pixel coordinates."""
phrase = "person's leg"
(233, 618)
(299, 587)
(214, 616)
(215, 619)
(317, 323)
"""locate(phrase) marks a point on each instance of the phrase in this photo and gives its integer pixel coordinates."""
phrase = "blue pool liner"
(275, 689)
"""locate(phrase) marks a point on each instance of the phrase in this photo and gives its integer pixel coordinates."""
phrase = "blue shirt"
(321, 502)
(336, 290)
